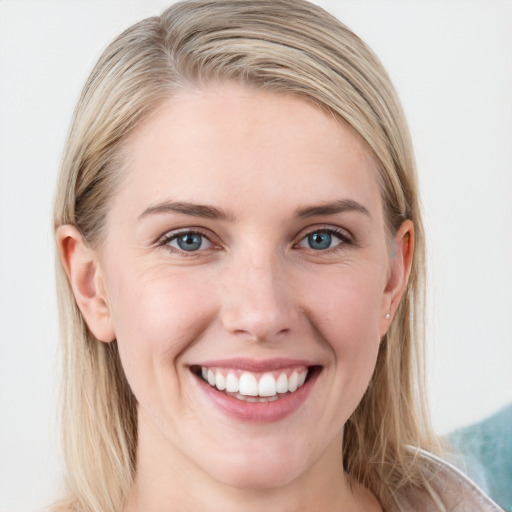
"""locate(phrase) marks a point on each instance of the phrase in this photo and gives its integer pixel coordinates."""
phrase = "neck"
(167, 481)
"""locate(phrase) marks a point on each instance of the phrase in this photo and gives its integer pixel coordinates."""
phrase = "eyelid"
(343, 233)
(346, 238)
(168, 236)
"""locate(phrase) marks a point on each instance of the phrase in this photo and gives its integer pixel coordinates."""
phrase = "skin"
(255, 289)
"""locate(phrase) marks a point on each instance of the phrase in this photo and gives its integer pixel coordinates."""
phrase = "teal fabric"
(485, 454)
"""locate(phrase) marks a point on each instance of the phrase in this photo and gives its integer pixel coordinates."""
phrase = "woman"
(241, 273)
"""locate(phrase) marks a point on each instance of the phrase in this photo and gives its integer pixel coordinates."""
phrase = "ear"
(401, 262)
(85, 276)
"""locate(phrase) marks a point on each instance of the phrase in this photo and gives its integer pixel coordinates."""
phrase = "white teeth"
(267, 385)
(231, 383)
(248, 384)
(282, 383)
(220, 381)
(293, 382)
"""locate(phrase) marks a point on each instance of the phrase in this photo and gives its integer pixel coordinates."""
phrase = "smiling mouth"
(256, 386)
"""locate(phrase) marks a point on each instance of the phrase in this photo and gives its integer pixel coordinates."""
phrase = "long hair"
(287, 46)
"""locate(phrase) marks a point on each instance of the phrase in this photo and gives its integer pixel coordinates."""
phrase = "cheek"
(346, 308)
(155, 316)
(346, 315)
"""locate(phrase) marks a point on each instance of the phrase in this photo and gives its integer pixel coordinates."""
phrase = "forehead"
(228, 139)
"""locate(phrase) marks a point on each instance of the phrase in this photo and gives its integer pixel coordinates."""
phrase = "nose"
(258, 299)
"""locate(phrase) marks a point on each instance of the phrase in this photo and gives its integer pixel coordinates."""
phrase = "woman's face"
(246, 251)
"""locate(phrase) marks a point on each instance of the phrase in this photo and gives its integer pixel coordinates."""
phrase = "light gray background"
(452, 64)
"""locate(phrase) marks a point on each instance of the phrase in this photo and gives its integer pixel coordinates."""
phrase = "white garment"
(456, 491)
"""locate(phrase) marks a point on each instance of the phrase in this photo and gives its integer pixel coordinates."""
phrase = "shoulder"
(450, 490)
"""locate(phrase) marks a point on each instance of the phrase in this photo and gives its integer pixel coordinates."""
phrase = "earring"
(388, 316)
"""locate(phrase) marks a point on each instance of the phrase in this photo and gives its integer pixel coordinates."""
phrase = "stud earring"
(388, 316)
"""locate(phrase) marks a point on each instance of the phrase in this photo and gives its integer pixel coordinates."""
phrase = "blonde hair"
(286, 46)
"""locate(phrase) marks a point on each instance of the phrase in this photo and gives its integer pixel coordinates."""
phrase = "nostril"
(262, 336)
(258, 325)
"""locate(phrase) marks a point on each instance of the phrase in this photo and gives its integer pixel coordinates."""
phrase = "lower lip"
(258, 412)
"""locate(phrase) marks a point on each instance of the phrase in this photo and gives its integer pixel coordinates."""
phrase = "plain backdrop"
(451, 62)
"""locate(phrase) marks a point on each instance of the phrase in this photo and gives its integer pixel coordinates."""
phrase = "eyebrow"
(332, 208)
(197, 210)
(211, 212)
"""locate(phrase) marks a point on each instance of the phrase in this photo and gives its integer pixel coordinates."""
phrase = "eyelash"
(166, 239)
(344, 237)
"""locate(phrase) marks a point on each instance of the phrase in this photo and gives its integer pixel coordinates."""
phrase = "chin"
(262, 466)
(249, 477)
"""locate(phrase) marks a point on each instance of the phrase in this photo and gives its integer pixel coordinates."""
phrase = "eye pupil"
(320, 240)
(189, 242)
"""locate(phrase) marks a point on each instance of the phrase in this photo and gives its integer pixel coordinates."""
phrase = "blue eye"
(188, 241)
(321, 240)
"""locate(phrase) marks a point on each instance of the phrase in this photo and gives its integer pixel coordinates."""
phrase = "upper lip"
(256, 365)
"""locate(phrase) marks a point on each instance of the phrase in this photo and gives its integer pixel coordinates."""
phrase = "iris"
(189, 241)
(320, 240)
